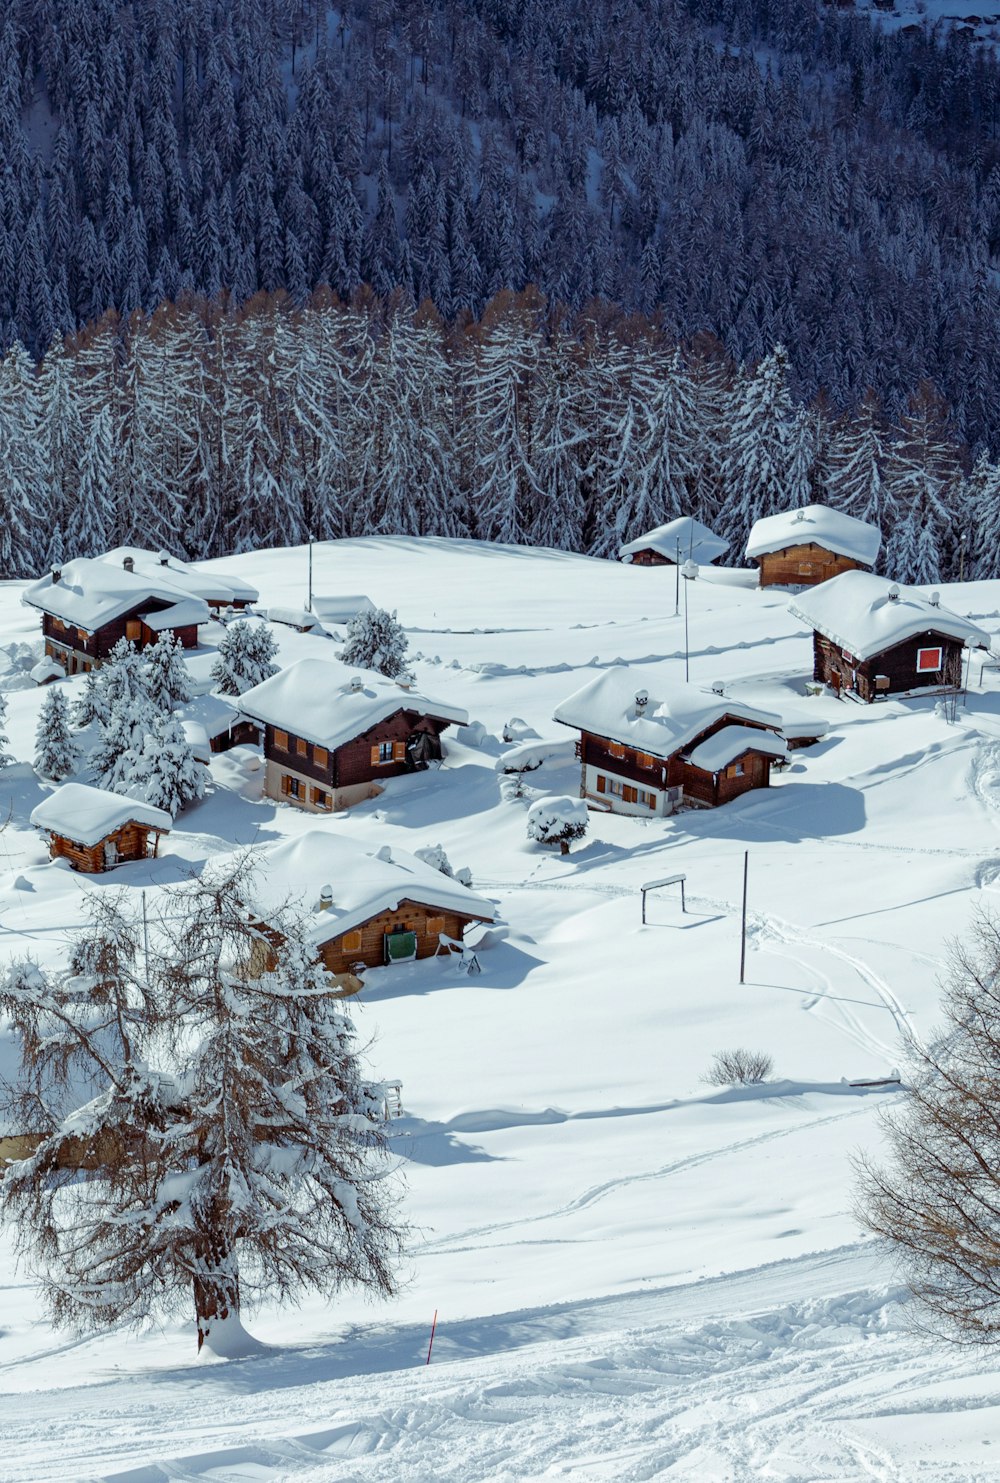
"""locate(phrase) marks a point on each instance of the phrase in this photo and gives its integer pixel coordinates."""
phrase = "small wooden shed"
(95, 830)
(684, 539)
(803, 547)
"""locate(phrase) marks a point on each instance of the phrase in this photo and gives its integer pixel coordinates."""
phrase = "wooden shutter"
(602, 783)
(281, 740)
(375, 756)
(435, 925)
(301, 746)
(321, 756)
(351, 942)
(631, 795)
(399, 751)
(286, 784)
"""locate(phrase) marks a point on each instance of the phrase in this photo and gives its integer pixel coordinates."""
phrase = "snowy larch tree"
(214, 1094)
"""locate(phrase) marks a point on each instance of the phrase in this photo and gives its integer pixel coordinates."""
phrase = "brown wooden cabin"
(614, 773)
(79, 650)
(94, 830)
(368, 943)
(812, 544)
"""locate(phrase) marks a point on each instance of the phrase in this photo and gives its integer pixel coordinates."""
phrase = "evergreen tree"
(167, 681)
(759, 458)
(6, 758)
(56, 751)
(376, 641)
(91, 703)
(164, 772)
(246, 652)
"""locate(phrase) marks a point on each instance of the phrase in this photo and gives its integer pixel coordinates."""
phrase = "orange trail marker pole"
(431, 1344)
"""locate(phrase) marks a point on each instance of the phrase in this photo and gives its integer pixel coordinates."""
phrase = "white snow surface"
(610, 706)
(636, 1276)
(87, 815)
(723, 747)
(831, 529)
(330, 703)
(92, 591)
(858, 611)
(364, 880)
(695, 541)
(198, 581)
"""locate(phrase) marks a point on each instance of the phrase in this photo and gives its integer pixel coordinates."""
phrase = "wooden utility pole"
(743, 936)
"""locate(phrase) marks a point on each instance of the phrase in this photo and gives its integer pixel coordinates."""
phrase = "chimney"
(128, 564)
(56, 574)
(718, 687)
(935, 599)
(641, 702)
(325, 898)
(164, 558)
(893, 593)
(384, 853)
(357, 683)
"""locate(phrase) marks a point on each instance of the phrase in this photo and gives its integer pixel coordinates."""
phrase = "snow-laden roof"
(191, 610)
(92, 592)
(857, 612)
(215, 713)
(87, 815)
(697, 542)
(831, 529)
(330, 703)
(731, 742)
(294, 618)
(607, 706)
(362, 881)
(341, 609)
(194, 580)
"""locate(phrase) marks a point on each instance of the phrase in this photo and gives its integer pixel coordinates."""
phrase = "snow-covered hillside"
(636, 1275)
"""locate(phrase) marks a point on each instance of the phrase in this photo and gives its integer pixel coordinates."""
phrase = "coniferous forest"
(520, 269)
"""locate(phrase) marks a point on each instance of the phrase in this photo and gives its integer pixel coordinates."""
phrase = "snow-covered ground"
(636, 1275)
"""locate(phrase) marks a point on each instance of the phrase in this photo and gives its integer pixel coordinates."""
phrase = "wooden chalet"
(680, 540)
(89, 604)
(803, 547)
(212, 723)
(644, 755)
(365, 908)
(332, 737)
(94, 830)
(873, 638)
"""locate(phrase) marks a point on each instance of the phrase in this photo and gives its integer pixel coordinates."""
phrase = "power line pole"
(743, 938)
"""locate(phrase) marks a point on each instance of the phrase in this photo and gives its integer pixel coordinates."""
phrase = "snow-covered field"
(637, 1276)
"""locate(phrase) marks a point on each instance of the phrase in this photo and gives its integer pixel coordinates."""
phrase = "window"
(382, 753)
(291, 787)
(321, 756)
(805, 569)
(434, 926)
(281, 740)
(616, 749)
(351, 942)
(301, 746)
(133, 629)
(928, 661)
(616, 786)
(320, 798)
(736, 771)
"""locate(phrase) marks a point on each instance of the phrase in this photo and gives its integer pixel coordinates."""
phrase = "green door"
(400, 947)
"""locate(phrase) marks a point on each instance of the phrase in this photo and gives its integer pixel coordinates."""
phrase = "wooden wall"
(649, 557)
(595, 751)
(899, 664)
(131, 841)
(803, 566)
(98, 645)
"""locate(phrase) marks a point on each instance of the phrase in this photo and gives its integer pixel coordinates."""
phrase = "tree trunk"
(216, 1288)
(564, 847)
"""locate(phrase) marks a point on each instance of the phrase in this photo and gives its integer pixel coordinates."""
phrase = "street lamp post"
(689, 572)
(677, 581)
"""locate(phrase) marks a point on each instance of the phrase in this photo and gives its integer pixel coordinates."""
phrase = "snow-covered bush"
(516, 730)
(434, 856)
(245, 658)
(558, 820)
(530, 755)
(739, 1068)
(167, 678)
(57, 753)
(165, 772)
(376, 641)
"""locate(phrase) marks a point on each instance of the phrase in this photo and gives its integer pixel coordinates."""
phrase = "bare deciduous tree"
(936, 1202)
(213, 1101)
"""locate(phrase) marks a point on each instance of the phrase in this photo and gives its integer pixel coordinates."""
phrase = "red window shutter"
(602, 783)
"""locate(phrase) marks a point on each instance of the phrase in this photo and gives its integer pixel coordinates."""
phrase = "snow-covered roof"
(857, 611)
(717, 751)
(194, 580)
(87, 815)
(294, 618)
(363, 882)
(91, 592)
(696, 541)
(343, 608)
(47, 669)
(831, 529)
(216, 714)
(330, 703)
(190, 610)
(609, 706)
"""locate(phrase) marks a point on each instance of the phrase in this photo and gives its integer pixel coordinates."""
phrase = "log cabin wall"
(650, 558)
(354, 760)
(95, 647)
(804, 566)
(240, 734)
(835, 666)
(131, 842)
(366, 943)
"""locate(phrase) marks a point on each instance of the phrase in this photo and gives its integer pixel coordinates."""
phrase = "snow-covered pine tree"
(168, 682)
(982, 502)
(164, 772)
(6, 758)
(119, 741)
(923, 476)
(91, 703)
(375, 640)
(856, 478)
(759, 455)
(245, 657)
(57, 753)
(243, 1156)
(123, 675)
